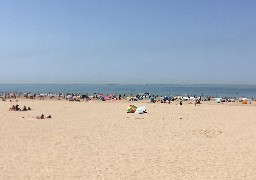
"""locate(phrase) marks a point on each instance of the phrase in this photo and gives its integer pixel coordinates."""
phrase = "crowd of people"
(17, 108)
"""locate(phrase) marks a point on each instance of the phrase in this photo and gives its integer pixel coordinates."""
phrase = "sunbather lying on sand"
(43, 117)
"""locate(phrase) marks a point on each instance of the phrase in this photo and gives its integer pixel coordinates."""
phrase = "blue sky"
(130, 41)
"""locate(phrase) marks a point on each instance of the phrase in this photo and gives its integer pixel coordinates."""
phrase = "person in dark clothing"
(17, 108)
(24, 108)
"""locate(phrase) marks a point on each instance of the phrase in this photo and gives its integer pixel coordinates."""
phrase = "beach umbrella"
(166, 98)
(131, 109)
(106, 98)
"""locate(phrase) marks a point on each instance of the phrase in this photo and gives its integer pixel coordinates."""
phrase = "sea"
(230, 91)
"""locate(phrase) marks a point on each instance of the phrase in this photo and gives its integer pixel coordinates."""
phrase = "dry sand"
(99, 140)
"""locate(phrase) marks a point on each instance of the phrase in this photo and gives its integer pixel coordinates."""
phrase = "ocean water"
(155, 89)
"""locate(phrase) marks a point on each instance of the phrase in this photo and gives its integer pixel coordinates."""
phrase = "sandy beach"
(99, 140)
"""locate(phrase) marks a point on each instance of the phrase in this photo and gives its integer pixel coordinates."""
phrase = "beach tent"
(218, 100)
(131, 109)
(185, 98)
(69, 97)
(141, 110)
(192, 98)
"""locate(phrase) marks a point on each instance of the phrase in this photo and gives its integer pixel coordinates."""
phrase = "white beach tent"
(69, 97)
(185, 98)
(218, 100)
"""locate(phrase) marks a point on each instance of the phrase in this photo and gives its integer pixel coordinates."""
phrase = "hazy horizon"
(143, 84)
(128, 42)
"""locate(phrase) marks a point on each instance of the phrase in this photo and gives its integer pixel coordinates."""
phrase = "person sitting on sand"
(43, 117)
(40, 117)
(24, 108)
(17, 108)
(12, 108)
(197, 102)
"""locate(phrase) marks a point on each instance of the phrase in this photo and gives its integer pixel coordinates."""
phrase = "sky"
(128, 41)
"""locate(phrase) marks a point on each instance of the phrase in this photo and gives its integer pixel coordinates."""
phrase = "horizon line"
(181, 84)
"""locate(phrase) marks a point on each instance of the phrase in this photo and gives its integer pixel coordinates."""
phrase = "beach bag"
(140, 110)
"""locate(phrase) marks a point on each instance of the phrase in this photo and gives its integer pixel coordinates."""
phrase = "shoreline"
(230, 91)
